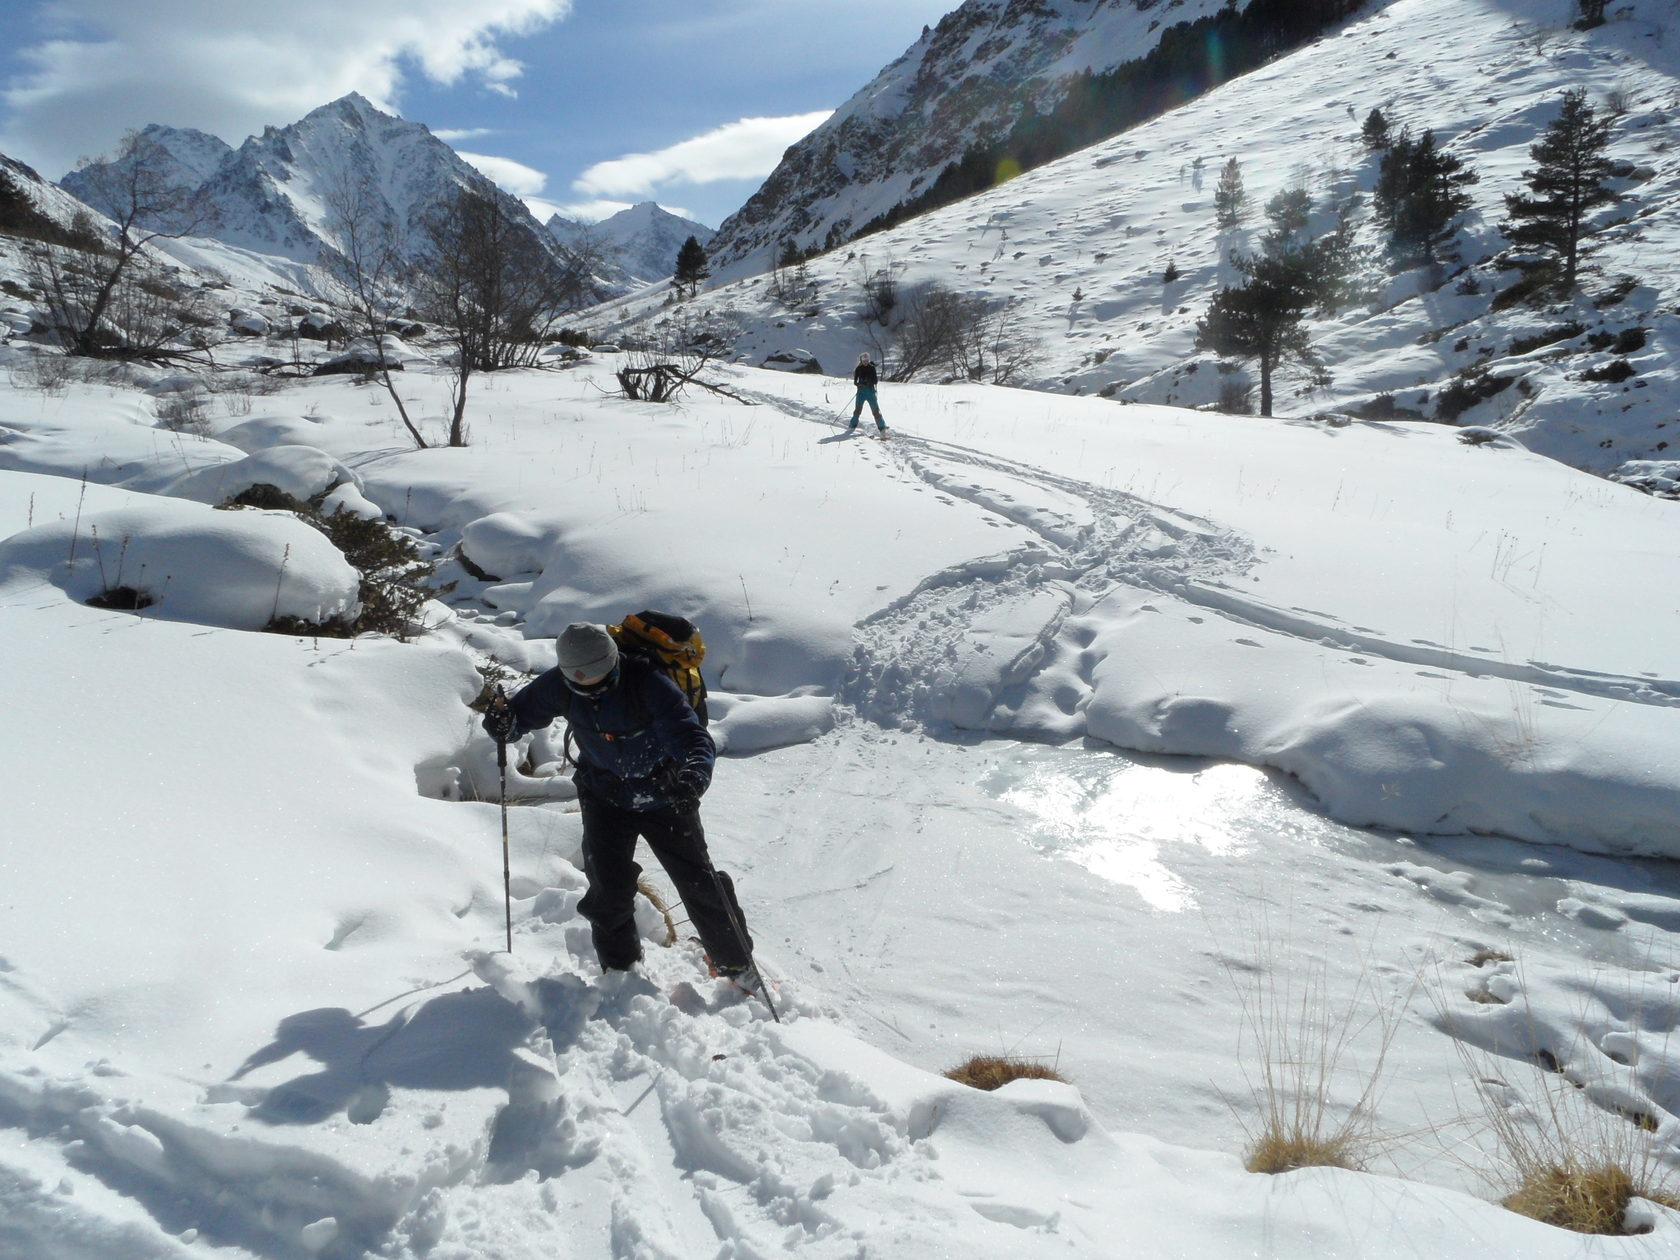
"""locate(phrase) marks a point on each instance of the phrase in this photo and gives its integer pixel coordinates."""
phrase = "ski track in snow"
(916, 660)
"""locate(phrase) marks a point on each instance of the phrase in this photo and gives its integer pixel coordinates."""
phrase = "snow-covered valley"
(254, 996)
(1229, 766)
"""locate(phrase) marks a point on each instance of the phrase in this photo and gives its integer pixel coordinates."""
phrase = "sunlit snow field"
(253, 1002)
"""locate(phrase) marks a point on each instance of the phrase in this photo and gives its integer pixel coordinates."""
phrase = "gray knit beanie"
(586, 652)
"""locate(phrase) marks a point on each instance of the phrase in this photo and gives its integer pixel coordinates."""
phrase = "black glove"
(686, 789)
(500, 723)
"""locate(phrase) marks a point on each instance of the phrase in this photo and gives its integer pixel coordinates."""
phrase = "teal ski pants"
(866, 394)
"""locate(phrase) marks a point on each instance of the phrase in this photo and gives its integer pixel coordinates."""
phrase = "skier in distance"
(865, 378)
(643, 763)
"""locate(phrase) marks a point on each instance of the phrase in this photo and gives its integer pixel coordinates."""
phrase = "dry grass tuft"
(1485, 996)
(1275, 1150)
(1588, 1200)
(1482, 957)
(1569, 1146)
(988, 1071)
(1315, 1062)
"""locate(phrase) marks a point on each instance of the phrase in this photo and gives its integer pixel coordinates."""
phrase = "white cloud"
(515, 177)
(465, 133)
(233, 68)
(747, 149)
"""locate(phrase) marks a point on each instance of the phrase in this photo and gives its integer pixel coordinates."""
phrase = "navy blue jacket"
(632, 742)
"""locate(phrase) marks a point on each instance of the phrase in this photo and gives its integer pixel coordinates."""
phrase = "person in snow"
(865, 378)
(643, 763)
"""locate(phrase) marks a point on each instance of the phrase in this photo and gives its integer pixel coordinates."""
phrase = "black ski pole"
(500, 705)
(741, 938)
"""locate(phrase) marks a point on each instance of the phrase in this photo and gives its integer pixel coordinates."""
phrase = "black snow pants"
(679, 842)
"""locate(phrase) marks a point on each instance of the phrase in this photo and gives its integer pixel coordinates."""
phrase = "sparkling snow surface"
(253, 999)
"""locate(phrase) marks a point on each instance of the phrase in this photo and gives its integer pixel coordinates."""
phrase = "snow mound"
(754, 723)
(301, 471)
(185, 562)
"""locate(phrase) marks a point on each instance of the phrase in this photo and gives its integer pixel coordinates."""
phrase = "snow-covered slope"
(252, 995)
(643, 240)
(1077, 250)
(963, 84)
(46, 198)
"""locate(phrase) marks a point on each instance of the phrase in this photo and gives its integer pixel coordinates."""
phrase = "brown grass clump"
(1482, 957)
(1566, 1149)
(989, 1071)
(1587, 1200)
(1278, 1150)
(1315, 1062)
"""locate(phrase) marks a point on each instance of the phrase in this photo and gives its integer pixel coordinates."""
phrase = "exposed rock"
(798, 361)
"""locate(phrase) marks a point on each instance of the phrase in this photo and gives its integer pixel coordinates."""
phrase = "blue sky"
(579, 105)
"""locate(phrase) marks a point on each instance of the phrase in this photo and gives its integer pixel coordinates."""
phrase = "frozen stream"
(1117, 914)
(1152, 824)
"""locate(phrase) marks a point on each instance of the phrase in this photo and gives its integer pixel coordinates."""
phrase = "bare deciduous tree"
(996, 343)
(367, 272)
(491, 287)
(105, 301)
(962, 335)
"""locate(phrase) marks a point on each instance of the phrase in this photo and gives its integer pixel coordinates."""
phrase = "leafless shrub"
(184, 411)
(47, 373)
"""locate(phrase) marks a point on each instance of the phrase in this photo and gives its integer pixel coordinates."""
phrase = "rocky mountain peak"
(642, 239)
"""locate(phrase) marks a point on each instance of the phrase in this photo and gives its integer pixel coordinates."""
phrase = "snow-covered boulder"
(505, 543)
(182, 561)
(753, 723)
(1660, 477)
(318, 326)
(797, 360)
(303, 472)
(247, 324)
(362, 356)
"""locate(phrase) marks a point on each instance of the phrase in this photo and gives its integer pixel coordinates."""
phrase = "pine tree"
(1592, 14)
(1375, 132)
(1265, 318)
(1290, 211)
(1420, 197)
(1230, 201)
(1569, 181)
(1262, 319)
(692, 266)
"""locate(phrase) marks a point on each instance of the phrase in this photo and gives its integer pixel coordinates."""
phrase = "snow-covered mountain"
(643, 239)
(277, 193)
(1078, 250)
(961, 88)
